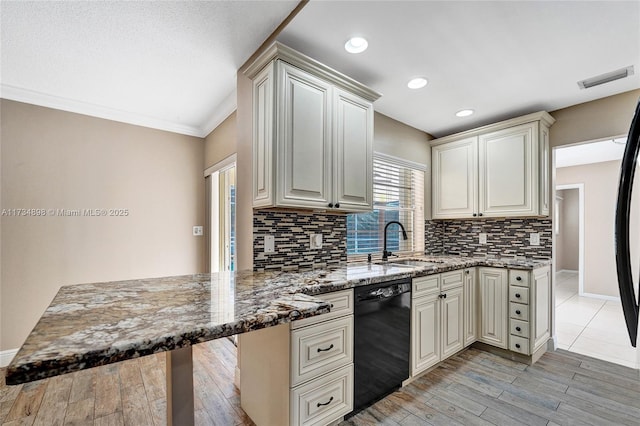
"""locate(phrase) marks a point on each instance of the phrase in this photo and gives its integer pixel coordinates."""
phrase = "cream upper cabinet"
(508, 176)
(304, 163)
(312, 135)
(501, 170)
(454, 171)
(494, 304)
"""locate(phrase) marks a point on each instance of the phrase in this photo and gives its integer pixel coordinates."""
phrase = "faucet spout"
(385, 252)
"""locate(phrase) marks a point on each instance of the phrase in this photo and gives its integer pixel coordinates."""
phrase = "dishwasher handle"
(384, 292)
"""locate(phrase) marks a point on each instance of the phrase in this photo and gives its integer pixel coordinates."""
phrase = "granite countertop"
(88, 325)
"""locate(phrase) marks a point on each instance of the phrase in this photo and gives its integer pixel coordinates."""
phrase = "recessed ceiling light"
(464, 113)
(417, 83)
(356, 45)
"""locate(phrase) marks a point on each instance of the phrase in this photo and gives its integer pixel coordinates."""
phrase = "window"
(398, 194)
(221, 194)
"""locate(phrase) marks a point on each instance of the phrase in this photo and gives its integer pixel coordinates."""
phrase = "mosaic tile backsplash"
(505, 237)
(292, 231)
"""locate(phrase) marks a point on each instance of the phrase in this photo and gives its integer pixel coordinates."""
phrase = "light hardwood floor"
(472, 388)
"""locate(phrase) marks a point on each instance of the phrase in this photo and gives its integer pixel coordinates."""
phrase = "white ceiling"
(588, 153)
(172, 65)
(502, 59)
(167, 65)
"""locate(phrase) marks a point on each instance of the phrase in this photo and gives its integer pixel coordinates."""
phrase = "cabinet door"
(263, 138)
(540, 301)
(452, 322)
(494, 312)
(425, 330)
(470, 306)
(353, 152)
(508, 171)
(454, 174)
(304, 139)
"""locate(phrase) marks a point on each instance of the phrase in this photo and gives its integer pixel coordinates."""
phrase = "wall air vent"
(606, 78)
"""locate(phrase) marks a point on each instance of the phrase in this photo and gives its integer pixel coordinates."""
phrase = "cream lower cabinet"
(494, 304)
(300, 373)
(500, 170)
(437, 308)
(471, 297)
(312, 135)
(529, 310)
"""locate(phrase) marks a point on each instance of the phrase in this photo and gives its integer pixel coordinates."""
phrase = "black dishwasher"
(382, 340)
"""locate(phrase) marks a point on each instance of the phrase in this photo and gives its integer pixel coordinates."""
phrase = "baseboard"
(567, 270)
(7, 356)
(601, 296)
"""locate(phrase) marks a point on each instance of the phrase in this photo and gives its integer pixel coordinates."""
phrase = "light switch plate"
(482, 238)
(269, 244)
(534, 239)
(198, 231)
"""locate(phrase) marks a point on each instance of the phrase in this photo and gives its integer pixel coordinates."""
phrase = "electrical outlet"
(315, 241)
(198, 231)
(534, 239)
(482, 238)
(269, 244)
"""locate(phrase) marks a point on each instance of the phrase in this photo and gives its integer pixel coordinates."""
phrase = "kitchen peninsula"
(89, 325)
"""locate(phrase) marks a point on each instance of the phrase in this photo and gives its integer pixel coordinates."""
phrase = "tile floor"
(590, 326)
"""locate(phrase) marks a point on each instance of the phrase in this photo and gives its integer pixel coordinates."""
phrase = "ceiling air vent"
(605, 78)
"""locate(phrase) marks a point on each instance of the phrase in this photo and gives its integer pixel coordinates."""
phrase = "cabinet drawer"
(320, 348)
(519, 328)
(425, 285)
(519, 278)
(519, 344)
(341, 304)
(519, 311)
(451, 279)
(518, 294)
(324, 399)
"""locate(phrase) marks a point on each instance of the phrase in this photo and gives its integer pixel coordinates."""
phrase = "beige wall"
(221, 142)
(568, 237)
(599, 119)
(394, 138)
(600, 191)
(58, 160)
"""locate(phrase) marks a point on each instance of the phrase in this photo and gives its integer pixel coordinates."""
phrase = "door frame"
(580, 188)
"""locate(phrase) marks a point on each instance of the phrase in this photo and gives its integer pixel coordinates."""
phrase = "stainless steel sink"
(410, 263)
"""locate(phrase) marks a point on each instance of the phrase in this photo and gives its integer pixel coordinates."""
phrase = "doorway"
(588, 314)
(221, 195)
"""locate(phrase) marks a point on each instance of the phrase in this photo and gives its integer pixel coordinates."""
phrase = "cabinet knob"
(337, 205)
(518, 329)
(479, 214)
(474, 215)
(518, 345)
(517, 312)
(518, 278)
(330, 205)
(518, 295)
(444, 295)
(466, 272)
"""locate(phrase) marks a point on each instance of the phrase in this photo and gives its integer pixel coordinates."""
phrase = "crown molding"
(50, 101)
(224, 110)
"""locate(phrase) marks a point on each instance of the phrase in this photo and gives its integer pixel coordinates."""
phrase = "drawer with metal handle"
(519, 328)
(519, 278)
(518, 294)
(519, 344)
(340, 302)
(519, 311)
(323, 400)
(321, 348)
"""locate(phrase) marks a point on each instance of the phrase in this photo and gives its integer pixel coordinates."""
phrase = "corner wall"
(58, 160)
